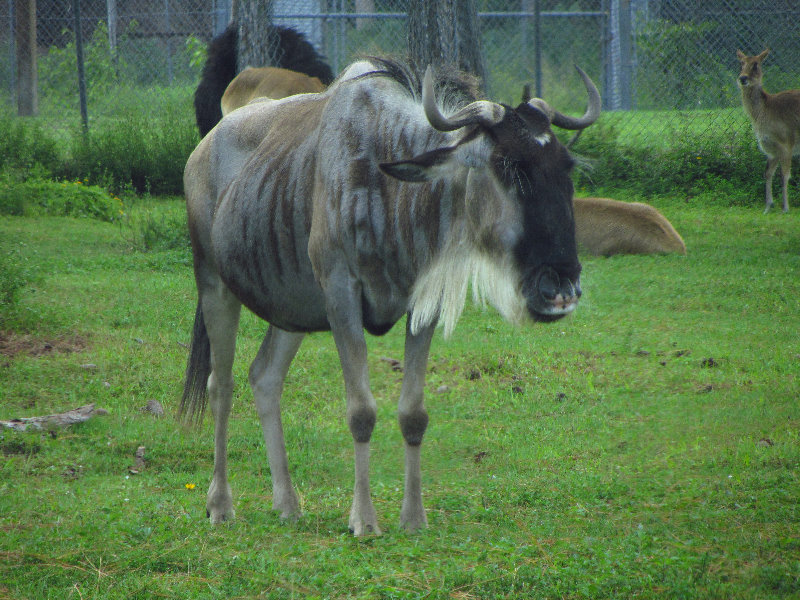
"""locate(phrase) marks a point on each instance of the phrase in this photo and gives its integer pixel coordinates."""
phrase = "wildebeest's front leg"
(413, 421)
(267, 374)
(343, 302)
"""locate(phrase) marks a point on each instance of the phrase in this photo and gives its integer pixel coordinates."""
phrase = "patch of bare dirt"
(12, 343)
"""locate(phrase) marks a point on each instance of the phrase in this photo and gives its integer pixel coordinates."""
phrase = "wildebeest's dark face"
(533, 168)
(518, 194)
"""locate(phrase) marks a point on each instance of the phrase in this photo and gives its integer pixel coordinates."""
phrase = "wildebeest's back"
(263, 216)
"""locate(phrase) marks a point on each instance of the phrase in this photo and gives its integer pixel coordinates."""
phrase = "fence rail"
(655, 59)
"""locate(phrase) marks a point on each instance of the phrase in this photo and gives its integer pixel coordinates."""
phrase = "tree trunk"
(27, 80)
(257, 40)
(445, 33)
(364, 6)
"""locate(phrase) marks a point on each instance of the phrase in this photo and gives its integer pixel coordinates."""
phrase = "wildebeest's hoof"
(364, 524)
(220, 516)
(361, 529)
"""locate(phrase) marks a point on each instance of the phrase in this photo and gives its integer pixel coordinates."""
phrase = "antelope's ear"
(740, 55)
(425, 167)
(763, 55)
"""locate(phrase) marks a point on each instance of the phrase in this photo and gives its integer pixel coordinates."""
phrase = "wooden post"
(27, 71)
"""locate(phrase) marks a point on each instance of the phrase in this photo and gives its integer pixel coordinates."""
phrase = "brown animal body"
(605, 227)
(266, 82)
(776, 122)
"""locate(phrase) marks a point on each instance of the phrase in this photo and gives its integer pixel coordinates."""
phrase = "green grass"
(646, 447)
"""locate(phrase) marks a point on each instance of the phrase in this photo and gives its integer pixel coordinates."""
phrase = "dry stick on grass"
(61, 420)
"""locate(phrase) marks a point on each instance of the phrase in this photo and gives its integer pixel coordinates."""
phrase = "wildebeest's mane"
(452, 87)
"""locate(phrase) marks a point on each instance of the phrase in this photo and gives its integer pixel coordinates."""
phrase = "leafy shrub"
(40, 197)
(26, 146)
(155, 230)
(148, 154)
(679, 69)
(688, 165)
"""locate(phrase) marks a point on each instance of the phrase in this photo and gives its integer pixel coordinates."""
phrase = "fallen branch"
(78, 415)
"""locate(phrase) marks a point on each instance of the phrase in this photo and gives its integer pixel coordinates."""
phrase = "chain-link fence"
(655, 60)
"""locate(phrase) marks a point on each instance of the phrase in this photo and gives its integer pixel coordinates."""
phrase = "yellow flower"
(190, 486)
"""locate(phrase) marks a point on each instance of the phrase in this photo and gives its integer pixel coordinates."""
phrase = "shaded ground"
(12, 343)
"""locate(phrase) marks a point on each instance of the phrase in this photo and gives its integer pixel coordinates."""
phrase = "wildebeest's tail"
(198, 368)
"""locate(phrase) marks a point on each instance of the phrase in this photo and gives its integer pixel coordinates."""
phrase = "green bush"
(39, 197)
(148, 154)
(679, 69)
(27, 146)
(690, 164)
(157, 230)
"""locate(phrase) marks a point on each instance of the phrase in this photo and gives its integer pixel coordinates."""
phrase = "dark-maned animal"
(605, 227)
(347, 210)
(294, 53)
(266, 82)
(776, 123)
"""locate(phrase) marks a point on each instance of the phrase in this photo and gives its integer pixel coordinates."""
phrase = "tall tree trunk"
(445, 33)
(27, 68)
(257, 39)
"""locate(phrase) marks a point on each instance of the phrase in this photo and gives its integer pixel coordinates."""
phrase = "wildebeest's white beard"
(441, 290)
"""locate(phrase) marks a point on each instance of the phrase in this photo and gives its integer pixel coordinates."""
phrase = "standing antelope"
(346, 210)
(776, 122)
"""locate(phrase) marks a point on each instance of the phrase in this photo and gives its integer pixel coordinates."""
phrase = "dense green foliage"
(659, 153)
(41, 197)
(129, 151)
(646, 447)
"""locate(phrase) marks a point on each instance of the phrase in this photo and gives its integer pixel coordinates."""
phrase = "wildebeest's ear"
(425, 167)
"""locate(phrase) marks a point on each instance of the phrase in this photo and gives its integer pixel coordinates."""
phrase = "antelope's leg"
(343, 301)
(769, 173)
(413, 420)
(267, 374)
(786, 174)
(221, 314)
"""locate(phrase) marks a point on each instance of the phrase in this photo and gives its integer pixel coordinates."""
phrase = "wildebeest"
(266, 82)
(293, 52)
(347, 210)
(776, 123)
(604, 227)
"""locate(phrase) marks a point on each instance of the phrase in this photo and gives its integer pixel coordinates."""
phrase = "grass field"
(646, 447)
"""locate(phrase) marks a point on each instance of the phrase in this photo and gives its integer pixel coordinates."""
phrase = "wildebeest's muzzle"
(550, 295)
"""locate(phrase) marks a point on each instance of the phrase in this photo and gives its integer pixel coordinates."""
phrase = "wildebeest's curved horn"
(481, 112)
(592, 109)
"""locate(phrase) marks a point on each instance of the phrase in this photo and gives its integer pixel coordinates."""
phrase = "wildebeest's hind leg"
(413, 421)
(267, 374)
(221, 312)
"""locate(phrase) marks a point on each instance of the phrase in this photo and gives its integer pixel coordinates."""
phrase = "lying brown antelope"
(776, 122)
(267, 82)
(604, 227)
